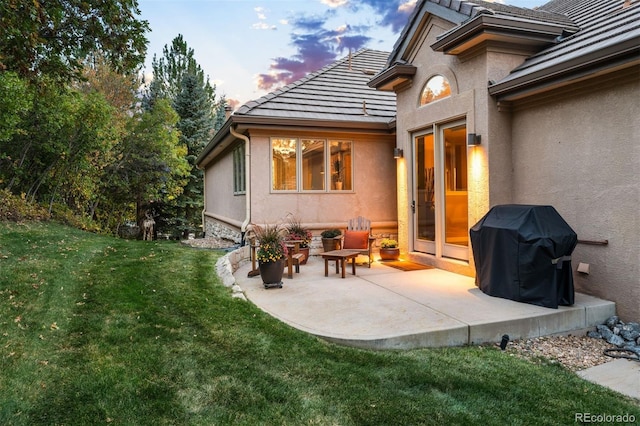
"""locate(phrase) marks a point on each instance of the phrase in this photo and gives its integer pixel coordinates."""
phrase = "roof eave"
(250, 121)
(484, 27)
(223, 138)
(615, 57)
(392, 77)
(218, 142)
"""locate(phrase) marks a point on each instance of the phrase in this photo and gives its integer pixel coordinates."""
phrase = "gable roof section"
(609, 39)
(474, 23)
(529, 29)
(336, 97)
(336, 93)
(462, 12)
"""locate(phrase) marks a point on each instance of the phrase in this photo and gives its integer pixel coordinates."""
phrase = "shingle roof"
(608, 33)
(337, 92)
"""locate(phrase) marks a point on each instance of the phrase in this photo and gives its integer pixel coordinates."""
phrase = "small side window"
(436, 88)
(239, 184)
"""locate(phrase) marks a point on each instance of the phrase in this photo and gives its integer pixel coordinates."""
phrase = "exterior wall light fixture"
(473, 139)
(397, 153)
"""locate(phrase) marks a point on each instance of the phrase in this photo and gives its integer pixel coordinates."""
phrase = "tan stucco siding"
(582, 156)
(374, 183)
(220, 201)
(468, 101)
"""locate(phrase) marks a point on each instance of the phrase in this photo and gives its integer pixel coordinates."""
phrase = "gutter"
(247, 169)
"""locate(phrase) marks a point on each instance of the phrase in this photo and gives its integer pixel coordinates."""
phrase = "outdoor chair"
(358, 237)
(294, 257)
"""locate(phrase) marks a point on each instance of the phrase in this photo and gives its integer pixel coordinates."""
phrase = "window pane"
(456, 197)
(425, 186)
(238, 169)
(436, 88)
(283, 166)
(313, 164)
(341, 166)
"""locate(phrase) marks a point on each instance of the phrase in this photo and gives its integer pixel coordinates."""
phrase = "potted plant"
(296, 232)
(337, 175)
(329, 239)
(271, 254)
(389, 249)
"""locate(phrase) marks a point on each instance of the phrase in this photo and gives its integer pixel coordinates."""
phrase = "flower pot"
(330, 244)
(389, 253)
(271, 272)
(305, 251)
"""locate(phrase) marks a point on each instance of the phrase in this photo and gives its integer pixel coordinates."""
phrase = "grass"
(98, 330)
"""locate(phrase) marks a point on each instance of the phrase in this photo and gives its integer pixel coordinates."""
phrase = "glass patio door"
(440, 203)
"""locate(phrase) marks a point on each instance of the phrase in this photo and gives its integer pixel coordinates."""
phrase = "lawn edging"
(227, 265)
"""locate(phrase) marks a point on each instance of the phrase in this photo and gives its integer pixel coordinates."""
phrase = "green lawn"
(98, 330)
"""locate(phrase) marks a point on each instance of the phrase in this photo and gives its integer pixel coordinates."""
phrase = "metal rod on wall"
(594, 243)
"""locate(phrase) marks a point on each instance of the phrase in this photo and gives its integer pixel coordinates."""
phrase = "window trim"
(424, 87)
(239, 170)
(299, 164)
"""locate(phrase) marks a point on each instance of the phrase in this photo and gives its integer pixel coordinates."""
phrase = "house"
(320, 149)
(503, 105)
(489, 104)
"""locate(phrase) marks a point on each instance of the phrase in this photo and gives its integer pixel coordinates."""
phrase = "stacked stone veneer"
(216, 229)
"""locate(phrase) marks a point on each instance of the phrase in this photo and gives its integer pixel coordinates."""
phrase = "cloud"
(394, 13)
(334, 3)
(262, 17)
(263, 26)
(317, 46)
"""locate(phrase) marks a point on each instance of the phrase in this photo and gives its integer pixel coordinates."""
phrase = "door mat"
(405, 265)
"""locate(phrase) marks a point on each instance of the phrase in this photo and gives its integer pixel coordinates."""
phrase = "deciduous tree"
(52, 38)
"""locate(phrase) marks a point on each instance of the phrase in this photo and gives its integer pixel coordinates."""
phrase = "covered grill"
(523, 253)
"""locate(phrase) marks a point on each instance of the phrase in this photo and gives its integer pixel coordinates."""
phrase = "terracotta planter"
(271, 272)
(389, 253)
(305, 251)
(330, 244)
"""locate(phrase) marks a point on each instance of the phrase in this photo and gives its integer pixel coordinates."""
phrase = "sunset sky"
(251, 47)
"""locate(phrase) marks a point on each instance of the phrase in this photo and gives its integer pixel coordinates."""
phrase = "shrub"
(18, 208)
(330, 233)
(271, 243)
(295, 231)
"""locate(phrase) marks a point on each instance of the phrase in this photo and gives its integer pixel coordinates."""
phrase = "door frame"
(438, 247)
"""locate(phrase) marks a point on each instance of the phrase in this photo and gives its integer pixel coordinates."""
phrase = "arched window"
(436, 88)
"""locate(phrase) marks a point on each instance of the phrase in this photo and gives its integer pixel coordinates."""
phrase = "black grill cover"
(523, 253)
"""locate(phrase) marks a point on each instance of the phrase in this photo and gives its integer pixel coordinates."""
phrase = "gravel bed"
(210, 243)
(574, 352)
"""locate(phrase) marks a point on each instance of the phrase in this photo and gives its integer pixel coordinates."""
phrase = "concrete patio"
(387, 308)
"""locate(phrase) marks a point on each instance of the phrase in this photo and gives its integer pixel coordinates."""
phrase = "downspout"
(247, 168)
(204, 203)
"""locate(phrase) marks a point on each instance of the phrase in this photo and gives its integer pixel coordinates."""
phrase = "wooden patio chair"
(294, 257)
(358, 237)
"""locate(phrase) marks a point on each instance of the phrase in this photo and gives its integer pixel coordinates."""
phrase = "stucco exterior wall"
(490, 179)
(374, 183)
(581, 154)
(224, 211)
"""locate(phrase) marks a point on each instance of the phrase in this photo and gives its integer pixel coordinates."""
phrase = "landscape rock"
(594, 334)
(612, 321)
(614, 339)
(629, 334)
(616, 332)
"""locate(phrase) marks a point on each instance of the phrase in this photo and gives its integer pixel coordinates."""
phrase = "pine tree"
(195, 125)
(179, 78)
